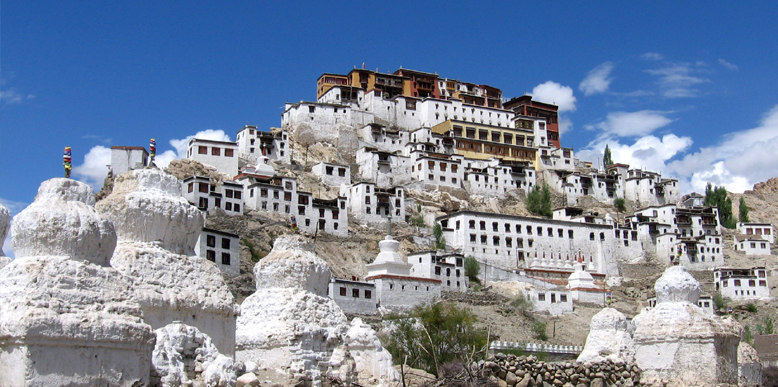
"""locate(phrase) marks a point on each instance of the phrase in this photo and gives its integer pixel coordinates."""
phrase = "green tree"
(748, 337)
(620, 204)
(432, 335)
(718, 197)
(539, 201)
(472, 269)
(539, 330)
(743, 211)
(768, 326)
(719, 302)
(607, 159)
(437, 232)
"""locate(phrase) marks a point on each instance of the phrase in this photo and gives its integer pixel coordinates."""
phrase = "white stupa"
(66, 316)
(157, 230)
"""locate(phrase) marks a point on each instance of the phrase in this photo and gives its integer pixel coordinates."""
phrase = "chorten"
(66, 316)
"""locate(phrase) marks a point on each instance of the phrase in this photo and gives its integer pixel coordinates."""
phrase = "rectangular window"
(228, 153)
(203, 150)
(563, 298)
(368, 294)
(343, 291)
(210, 255)
(210, 241)
(228, 193)
(225, 243)
(355, 293)
(202, 187)
(541, 296)
(191, 187)
(216, 151)
(225, 258)
(228, 206)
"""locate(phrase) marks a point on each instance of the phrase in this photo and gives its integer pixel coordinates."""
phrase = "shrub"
(620, 204)
(522, 302)
(432, 335)
(751, 308)
(748, 337)
(720, 302)
(440, 242)
(539, 201)
(472, 269)
(768, 326)
(539, 330)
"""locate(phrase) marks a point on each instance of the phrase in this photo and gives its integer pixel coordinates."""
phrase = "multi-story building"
(354, 296)
(253, 143)
(482, 141)
(127, 158)
(518, 242)
(374, 205)
(222, 155)
(644, 187)
(221, 248)
(207, 195)
(759, 229)
(742, 283)
(497, 177)
(448, 268)
(280, 195)
(525, 106)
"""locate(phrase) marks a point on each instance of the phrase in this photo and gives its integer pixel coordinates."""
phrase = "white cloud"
(598, 80)
(180, 145)
(565, 125)
(728, 65)
(554, 93)
(652, 56)
(631, 124)
(738, 161)
(94, 168)
(677, 81)
(13, 97)
(648, 152)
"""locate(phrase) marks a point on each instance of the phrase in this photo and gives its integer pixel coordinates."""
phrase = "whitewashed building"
(355, 297)
(280, 195)
(221, 248)
(222, 155)
(554, 301)
(373, 205)
(207, 195)
(273, 144)
(127, 158)
(518, 242)
(395, 286)
(494, 177)
(448, 268)
(751, 244)
(763, 229)
(385, 169)
(738, 284)
(333, 175)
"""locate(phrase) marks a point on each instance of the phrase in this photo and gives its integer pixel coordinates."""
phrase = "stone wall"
(527, 371)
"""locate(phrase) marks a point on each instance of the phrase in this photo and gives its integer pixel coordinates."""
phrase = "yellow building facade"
(479, 141)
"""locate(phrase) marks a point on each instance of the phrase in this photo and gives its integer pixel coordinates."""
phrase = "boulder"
(66, 317)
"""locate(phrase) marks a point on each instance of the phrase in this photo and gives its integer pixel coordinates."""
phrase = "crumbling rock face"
(749, 366)
(289, 323)
(183, 355)
(677, 341)
(157, 231)
(66, 317)
(610, 338)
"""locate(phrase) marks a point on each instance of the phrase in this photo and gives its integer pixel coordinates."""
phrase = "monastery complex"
(397, 136)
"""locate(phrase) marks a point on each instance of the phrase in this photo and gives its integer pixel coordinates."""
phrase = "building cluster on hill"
(414, 130)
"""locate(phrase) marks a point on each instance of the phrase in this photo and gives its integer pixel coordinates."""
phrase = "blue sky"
(685, 88)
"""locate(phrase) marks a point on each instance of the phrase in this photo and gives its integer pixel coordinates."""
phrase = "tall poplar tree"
(607, 159)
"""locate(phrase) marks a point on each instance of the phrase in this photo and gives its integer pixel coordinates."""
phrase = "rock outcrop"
(66, 317)
(5, 221)
(749, 366)
(289, 322)
(183, 355)
(610, 338)
(157, 230)
(679, 342)
(362, 358)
